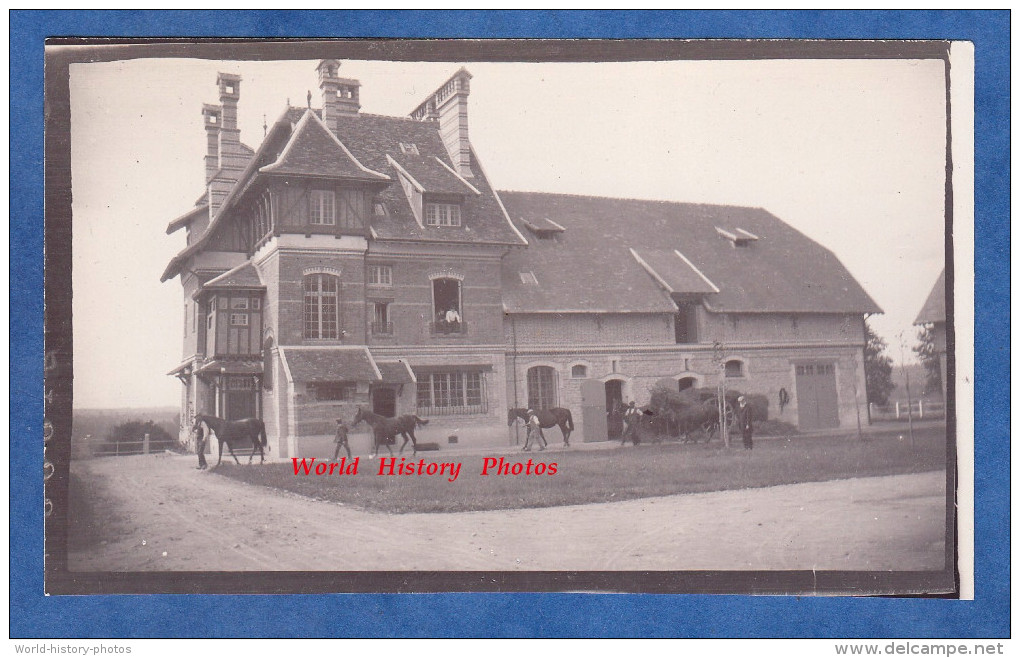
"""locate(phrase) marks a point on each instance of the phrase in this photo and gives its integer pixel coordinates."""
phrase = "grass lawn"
(608, 475)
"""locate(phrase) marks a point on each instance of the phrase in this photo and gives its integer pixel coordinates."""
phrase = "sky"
(849, 152)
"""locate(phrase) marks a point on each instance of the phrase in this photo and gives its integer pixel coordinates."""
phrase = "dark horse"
(242, 432)
(387, 429)
(557, 416)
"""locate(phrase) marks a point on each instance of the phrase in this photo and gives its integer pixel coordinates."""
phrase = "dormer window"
(528, 278)
(739, 238)
(442, 214)
(408, 148)
(322, 207)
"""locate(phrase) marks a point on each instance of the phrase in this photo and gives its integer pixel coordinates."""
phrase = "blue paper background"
(554, 615)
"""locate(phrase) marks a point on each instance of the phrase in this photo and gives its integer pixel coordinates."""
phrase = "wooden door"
(614, 408)
(384, 402)
(817, 402)
(593, 411)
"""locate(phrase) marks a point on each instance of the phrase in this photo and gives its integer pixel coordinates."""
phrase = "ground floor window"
(541, 387)
(451, 393)
(332, 391)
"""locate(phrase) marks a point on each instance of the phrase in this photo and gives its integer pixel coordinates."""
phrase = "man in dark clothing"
(745, 421)
(200, 446)
(341, 439)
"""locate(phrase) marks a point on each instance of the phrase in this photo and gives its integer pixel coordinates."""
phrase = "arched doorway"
(685, 383)
(614, 408)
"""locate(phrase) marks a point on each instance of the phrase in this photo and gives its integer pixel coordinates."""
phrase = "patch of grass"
(612, 474)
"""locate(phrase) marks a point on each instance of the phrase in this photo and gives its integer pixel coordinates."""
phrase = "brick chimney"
(212, 116)
(232, 159)
(448, 106)
(340, 96)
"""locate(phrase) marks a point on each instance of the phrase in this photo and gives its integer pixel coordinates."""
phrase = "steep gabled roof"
(433, 175)
(934, 309)
(590, 266)
(673, 272)
(396, 372)
(372, 139)
(313, 150)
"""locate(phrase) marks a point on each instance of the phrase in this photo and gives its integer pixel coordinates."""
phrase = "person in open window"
(452, 316)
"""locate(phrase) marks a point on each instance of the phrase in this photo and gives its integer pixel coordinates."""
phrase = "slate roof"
(589, 267)
(672, 272)
(430, 173)
(313, 151)
(395, 372)
(372, 137)
(331, 364)
(934, 309)
(243, 277)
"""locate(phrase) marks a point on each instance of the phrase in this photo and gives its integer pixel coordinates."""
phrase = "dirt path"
(162, 515)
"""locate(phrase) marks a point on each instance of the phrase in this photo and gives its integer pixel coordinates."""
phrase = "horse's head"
(358, 417)
(512, 415)
(199, 419)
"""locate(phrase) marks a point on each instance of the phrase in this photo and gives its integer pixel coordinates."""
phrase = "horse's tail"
(421, 422)
(570, 421)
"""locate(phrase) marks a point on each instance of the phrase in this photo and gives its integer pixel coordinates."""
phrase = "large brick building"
(361, 259)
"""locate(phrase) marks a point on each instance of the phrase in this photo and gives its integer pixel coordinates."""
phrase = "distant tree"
(135, 430)
(877, 367)
(929, 358)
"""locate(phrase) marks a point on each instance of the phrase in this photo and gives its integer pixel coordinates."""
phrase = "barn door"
(816, 396)
(593, 411)
(240, 398)
(614, 408)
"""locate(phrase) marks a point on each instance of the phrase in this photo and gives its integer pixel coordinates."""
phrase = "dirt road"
(156, 513)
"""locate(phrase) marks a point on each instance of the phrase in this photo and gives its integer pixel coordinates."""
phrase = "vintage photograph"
(346, 313)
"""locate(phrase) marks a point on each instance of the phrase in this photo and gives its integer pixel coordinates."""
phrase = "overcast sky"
(851, 153)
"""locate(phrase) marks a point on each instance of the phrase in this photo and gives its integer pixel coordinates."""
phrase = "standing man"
(341, 439)
(534, 432)
(200, 446)
(631, 418)
(745, 420)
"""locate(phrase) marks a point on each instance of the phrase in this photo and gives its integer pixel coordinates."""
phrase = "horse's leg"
(218, 461)
(414, 441)
(254, 444)
(566, 434)
(230, 447)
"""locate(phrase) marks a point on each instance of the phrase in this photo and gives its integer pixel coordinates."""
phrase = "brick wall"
(779, 327)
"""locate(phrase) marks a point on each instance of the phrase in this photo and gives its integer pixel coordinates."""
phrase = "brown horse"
(248, 430)
(557, 416)
(385, 430)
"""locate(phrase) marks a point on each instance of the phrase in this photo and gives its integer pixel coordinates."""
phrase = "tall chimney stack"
(340, 96)
(232, 159)
(448, 105)
(212, 116)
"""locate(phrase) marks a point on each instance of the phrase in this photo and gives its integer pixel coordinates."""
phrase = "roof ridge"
(639, 200)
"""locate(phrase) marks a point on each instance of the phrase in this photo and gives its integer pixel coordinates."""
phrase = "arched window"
(579, 371)
(734, 368)
(686, 382)
(541, 387)
(322, 306)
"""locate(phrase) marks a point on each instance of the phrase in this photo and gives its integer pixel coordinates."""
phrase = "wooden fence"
(917, 410)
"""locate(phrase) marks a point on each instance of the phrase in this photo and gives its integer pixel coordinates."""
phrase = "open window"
(322, 306)
(446, 306)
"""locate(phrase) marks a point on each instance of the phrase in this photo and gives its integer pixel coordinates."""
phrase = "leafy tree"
(929, 358)
(877, 367)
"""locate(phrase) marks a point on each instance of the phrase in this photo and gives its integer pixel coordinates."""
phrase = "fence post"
(920, 409)
(897, 410)
(145, 443)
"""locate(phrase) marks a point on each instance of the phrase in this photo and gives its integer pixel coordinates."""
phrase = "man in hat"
(631, 418)
(200, 441)
(745, 421)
